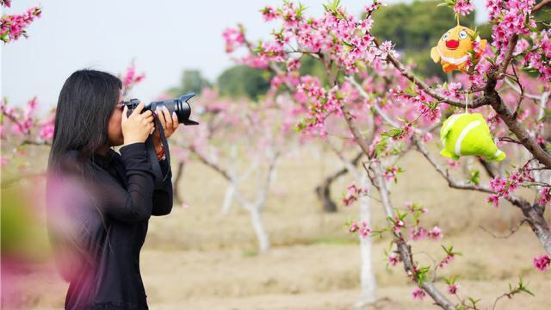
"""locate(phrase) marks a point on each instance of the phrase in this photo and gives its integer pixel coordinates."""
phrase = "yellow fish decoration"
(453, 48)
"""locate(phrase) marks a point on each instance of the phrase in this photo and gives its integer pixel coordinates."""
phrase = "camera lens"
(179, 105)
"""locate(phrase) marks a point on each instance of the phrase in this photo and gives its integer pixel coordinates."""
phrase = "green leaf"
(393, 132)
(422, 275)
(475, 177)
(381, 146)
(473, 302)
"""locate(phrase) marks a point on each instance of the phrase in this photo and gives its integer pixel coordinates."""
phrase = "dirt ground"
(196, 258)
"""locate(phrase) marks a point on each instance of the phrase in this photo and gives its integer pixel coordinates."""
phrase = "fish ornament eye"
(463, 34)
(445, 36)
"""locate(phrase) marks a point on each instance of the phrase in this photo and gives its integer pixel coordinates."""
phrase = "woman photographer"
(100, 201)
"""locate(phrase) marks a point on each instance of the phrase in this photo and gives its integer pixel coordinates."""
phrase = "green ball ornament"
(468, 134)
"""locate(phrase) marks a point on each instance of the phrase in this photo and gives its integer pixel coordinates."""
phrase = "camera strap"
(160, 179)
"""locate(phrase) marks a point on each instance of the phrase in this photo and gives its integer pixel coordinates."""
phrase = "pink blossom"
(494, 8)
(233, 38)
(452, 288)
(398, 225)
(354, 227)
(293, 64)
(47, 131)
(446, 260)
(269, 13)
(418, 233)
(503, 187)
(430, 113)
(290, 15)
(545, 196)
(542, 262)
(453, 164)
(393, 259)
(521, 47)
(418, 294)
(427, 137)
(352, 194)
(257, 62)
(509, 17)
(364, 231)
(361, 228)
(463, 7)
(435, 233)
(130, 78)
(493, 200)
(12, 27)
(391, 173)
(386, 48)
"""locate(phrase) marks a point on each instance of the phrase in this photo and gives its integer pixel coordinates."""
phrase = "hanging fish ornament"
(455, 47)
(468, 134)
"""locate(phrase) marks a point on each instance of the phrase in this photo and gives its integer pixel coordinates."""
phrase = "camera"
(179, 105)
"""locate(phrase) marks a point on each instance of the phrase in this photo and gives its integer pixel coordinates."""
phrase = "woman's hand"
(137, 126)
(170, 124)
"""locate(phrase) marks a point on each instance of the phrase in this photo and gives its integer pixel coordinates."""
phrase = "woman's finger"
(149, 119)
(168, 119)
(138, 109)
(175, 121)
(161, 117)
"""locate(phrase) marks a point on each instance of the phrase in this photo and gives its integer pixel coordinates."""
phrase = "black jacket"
(98, 225)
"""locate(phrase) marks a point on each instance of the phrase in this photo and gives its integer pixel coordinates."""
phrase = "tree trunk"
(228, 198)
(261, 235)
(323, 191)
(367, 276)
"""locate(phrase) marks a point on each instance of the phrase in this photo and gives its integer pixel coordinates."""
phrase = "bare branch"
(518, 90)
(403, 248)
(508, 56)
(514, 230)
(223, 172)
(444, 173)
(487, 167)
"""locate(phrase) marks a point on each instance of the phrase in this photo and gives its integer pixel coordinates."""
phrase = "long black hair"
(85, 105)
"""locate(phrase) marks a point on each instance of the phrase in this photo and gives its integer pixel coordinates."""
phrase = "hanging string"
(467, 101)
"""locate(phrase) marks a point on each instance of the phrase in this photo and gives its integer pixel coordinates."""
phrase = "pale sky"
(162, 37)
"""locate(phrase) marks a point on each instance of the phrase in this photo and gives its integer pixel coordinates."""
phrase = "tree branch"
(533, 214)
(405, 249)
(514, 230)
(540, 5)
(444, 173)
(519, 131)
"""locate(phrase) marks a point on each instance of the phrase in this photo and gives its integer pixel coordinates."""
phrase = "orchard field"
(196, 258)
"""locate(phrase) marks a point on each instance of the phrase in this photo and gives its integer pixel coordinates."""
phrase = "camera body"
(179, 105)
